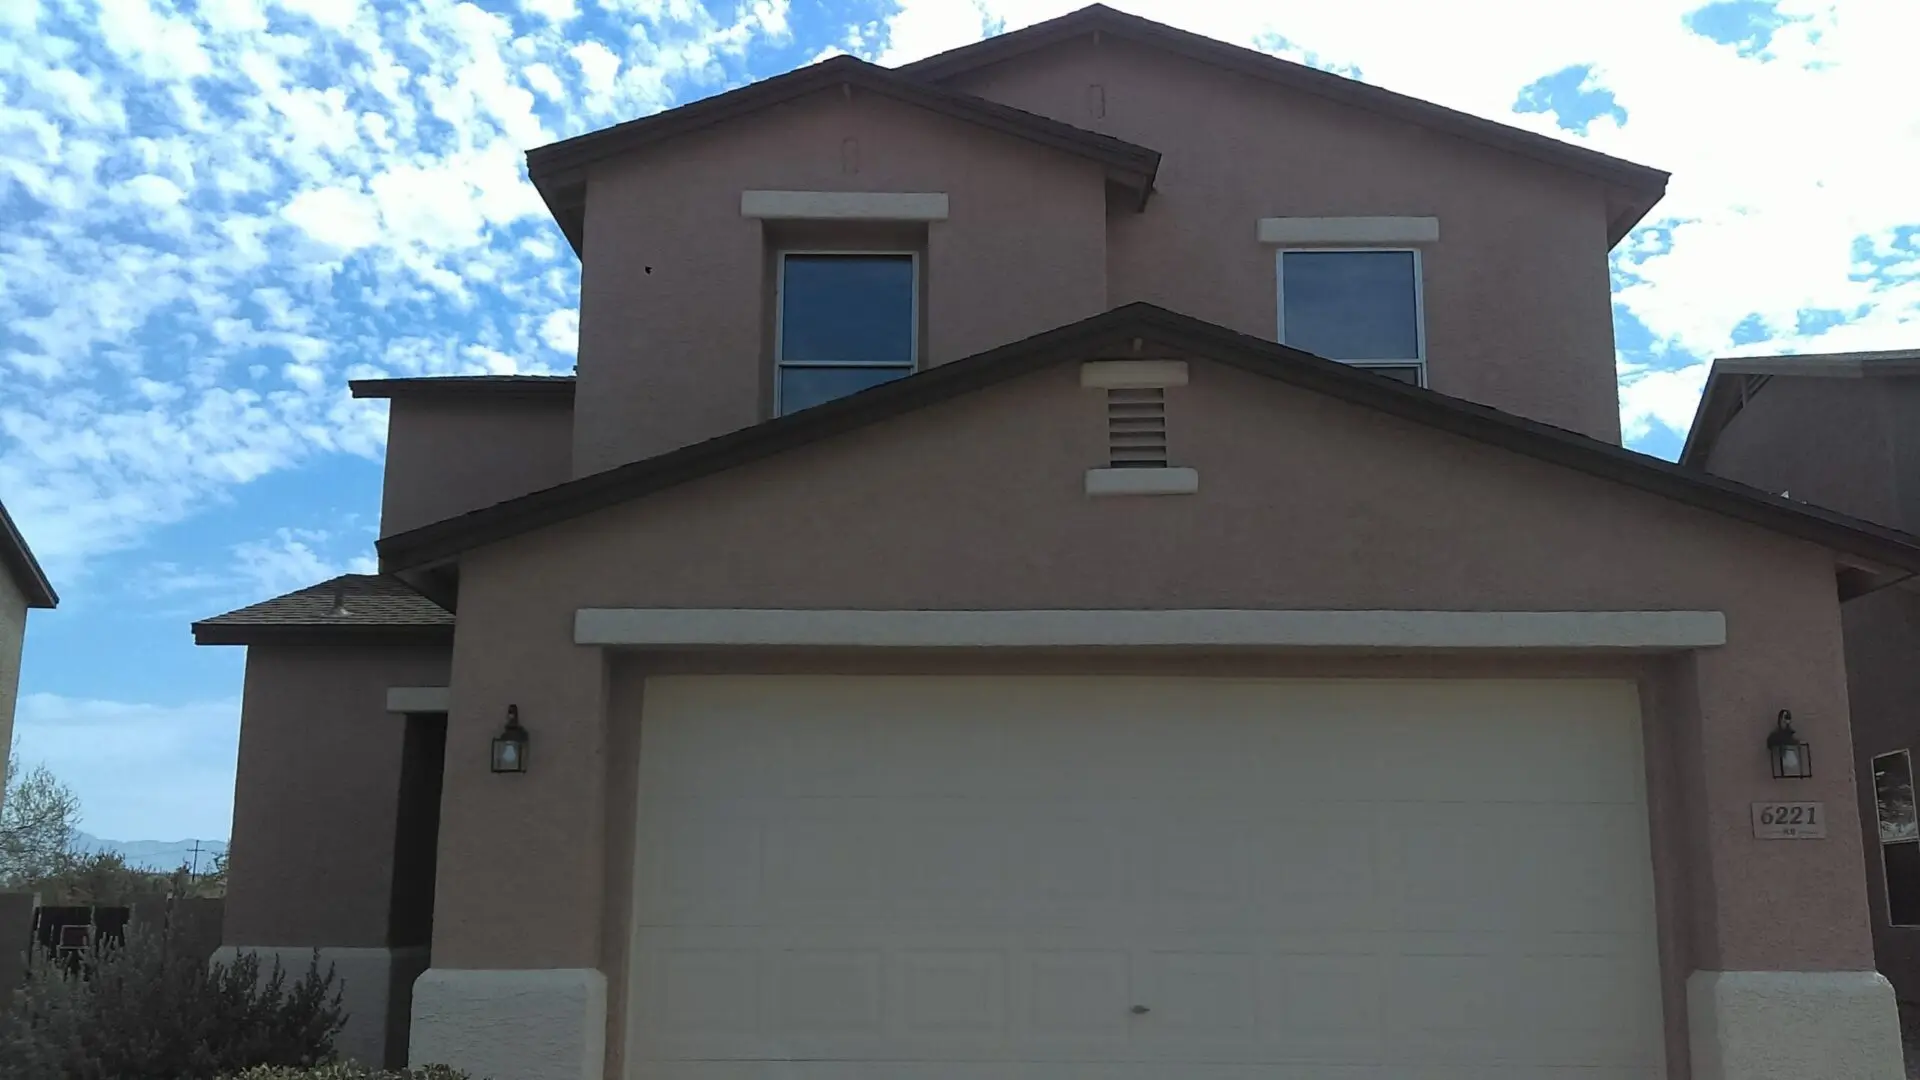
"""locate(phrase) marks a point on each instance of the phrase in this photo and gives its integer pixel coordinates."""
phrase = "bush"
(140, 1011)
(352, 1073)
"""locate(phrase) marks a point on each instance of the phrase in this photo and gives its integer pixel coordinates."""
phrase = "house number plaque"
(1790, 820)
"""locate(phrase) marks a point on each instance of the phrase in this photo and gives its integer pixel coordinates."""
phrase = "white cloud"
(161, 45)
(561, 331)
(598, 66)
(288, 560)
(556, 11)
(157, 192)
(1665, 397)
(20, 14)
(336, 217)
(545, 80)
(333, 14)
(141, 771)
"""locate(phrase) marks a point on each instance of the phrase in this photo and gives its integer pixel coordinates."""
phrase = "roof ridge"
(557, 169)
(1307, 79)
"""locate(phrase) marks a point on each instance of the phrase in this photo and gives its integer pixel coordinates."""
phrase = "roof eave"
(463, 388)
(1119, 329)
(216, 633)
(25, 569)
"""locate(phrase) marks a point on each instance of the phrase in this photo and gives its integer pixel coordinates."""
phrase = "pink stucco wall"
(316, 797)
(1518, 305)
(674, 289)
(1305, 503)
(446, 457)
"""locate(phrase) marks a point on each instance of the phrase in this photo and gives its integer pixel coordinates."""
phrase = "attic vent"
(1137, 427)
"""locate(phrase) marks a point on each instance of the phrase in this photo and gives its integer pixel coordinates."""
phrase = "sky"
(213, 214)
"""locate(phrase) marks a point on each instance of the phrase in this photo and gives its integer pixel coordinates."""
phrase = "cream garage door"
(915, 878)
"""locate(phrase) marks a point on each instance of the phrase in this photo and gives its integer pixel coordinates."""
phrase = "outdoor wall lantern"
(510, 746)
(1792, 759)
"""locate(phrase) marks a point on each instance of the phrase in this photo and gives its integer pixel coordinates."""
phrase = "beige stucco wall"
(673, 345)
(13, 634)
(1518, 304)
(1304, 503)
(446, 457)
(315, 798)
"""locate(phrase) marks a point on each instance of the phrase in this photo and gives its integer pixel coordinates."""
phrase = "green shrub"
(352, 1073)
(141, 1011)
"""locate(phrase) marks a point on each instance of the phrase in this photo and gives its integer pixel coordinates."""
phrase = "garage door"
(919, 878)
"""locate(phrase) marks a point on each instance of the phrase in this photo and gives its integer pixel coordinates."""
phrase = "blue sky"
(214, 213)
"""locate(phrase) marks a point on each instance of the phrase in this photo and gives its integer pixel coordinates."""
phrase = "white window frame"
(780, 363)
(1886, 890)
(1419, 362)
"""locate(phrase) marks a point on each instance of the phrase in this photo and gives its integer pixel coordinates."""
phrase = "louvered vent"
(1137, 428)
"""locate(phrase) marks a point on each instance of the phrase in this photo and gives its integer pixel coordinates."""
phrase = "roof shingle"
(349, 607)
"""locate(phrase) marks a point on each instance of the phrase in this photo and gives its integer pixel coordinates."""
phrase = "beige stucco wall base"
(1791, 1025)
(527, 1025)
(368, 979)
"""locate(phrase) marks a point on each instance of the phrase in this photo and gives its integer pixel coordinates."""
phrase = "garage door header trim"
(766, 627)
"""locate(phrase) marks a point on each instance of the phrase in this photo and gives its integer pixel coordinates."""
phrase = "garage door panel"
(1299, 879)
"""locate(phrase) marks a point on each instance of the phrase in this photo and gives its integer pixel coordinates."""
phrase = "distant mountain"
(154, 854)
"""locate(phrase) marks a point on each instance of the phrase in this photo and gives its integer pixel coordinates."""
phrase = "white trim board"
(845, 205)
(417, 699)
(1164, 481)
(1133, 374)
(1349, 230)
(757, 627)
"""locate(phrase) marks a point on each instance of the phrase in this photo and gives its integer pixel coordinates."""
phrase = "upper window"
(846, 321)
(1358, 307)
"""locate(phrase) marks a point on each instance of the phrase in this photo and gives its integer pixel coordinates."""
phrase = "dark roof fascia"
(1723, 396)
(25, 569)
(558, 169)
(466, 387)
(1121, 332)
(1648, 184)
(218, 633)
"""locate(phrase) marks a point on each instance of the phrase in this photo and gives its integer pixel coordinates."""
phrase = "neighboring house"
(954, 625)
(23, 585)
(1842, 431)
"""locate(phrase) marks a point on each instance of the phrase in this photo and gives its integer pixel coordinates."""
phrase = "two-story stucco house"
(1843, 431)
(23, 586)
(1098, 554)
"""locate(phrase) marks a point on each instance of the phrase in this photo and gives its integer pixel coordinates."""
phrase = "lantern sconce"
(1792, 759)
(510, 746)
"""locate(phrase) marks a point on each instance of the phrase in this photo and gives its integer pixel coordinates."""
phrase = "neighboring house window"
(1899, 837)
(846, 321)
(1361, 307)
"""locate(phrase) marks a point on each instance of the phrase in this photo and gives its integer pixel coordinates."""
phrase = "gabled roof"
(1733, 381)
(17, 558)
(1143, 329)
(466, 387)
(349, 608)
(1637, 187)
(558, 170)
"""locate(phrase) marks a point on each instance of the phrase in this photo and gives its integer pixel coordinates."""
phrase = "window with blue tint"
(1359, 307)
(848, 321)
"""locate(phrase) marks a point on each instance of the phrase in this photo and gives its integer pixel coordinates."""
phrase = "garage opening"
(1098, 877)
